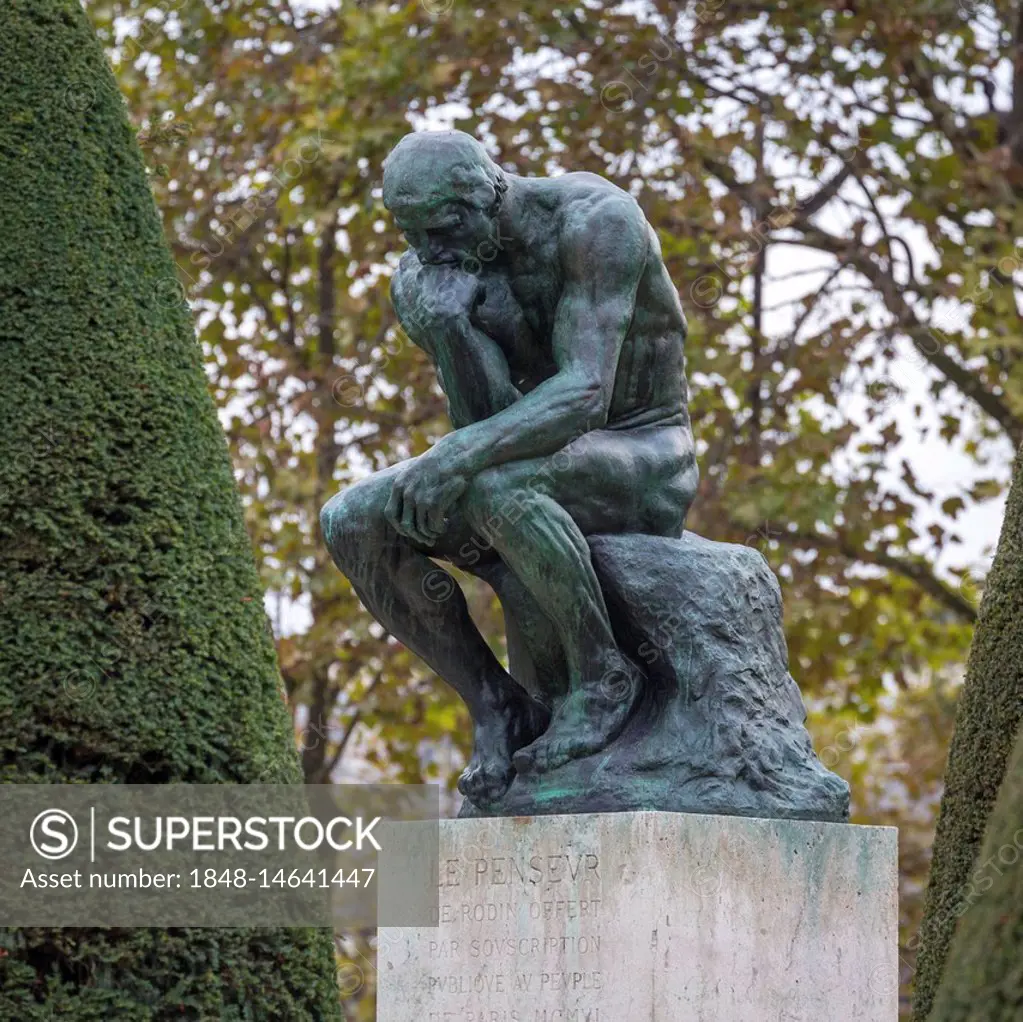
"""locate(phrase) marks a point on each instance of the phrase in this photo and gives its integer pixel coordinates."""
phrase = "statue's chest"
(537, 295)
(519, 315)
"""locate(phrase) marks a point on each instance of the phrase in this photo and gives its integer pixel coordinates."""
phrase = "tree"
(747, 135)
(133, 643)
(981, 981)
(872, 143)
(983, 977)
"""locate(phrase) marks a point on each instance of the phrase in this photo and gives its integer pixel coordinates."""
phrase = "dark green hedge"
(987, 721)
(133, 641)
(983, 976)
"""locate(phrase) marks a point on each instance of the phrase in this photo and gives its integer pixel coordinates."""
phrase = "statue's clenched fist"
(439, 293)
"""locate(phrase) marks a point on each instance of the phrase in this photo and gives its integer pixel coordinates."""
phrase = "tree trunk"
(987, 722)
(133, 641)
(983, 977)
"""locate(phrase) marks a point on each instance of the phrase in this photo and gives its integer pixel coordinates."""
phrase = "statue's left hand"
(421, 496)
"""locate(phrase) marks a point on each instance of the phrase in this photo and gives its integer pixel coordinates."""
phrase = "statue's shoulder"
(582, 183)
(594, 212)
(582, 197)
(581, 188)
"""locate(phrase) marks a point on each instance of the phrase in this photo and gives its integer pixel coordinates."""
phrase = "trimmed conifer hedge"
(983, 976)
(133, 641)
(987, 722)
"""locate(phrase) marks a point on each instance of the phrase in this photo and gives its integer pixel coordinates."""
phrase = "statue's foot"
(495, 740)
(589, 719)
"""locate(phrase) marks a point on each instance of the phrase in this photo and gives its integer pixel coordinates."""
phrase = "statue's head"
(444, 192)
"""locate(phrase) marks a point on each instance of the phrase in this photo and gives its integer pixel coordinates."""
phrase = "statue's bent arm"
(471, 367)
(604, 250)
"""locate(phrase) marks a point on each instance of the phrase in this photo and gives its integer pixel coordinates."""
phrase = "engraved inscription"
(512, 946)
(537, 869)
(514, 1015)
(500, 983)
(506, 919)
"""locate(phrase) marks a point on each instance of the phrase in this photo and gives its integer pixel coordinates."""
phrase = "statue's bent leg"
(536, 659)
(536, 514)
(422, 606)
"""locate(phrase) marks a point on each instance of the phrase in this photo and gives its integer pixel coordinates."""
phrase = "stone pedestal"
(650, 917)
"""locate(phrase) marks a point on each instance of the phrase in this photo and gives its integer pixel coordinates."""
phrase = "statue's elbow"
(594, 404)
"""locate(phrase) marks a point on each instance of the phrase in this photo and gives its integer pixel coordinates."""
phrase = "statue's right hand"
(446, 293)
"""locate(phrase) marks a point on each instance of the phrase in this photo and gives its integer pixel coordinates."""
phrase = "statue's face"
(451, 232)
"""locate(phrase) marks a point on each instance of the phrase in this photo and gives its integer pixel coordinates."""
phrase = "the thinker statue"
(557, 335)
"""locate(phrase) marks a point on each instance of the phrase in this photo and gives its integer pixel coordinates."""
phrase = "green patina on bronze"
(558, 338)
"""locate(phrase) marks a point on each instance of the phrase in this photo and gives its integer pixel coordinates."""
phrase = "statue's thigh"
(622, 481)
(359, 510)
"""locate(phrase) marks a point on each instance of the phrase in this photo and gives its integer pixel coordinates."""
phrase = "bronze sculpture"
(558, 339)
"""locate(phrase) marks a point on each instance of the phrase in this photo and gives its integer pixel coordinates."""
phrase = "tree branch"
(349, 731)
(918, 572)
(815, 203)
(923, 337)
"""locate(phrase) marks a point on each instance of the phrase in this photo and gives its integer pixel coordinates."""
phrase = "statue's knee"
(350, 520)
(690, 485)
(331, 515)
(672, 505)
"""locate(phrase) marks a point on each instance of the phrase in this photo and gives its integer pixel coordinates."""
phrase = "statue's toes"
(472, 783)
(538, 758)
(524, 759)
(485, 781)
(537, 718)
